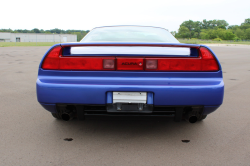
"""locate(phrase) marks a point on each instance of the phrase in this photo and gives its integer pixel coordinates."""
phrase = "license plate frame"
(130, 97)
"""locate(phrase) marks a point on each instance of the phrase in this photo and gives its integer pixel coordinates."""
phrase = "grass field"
(13, 44)
(190, 41)
(199, 41)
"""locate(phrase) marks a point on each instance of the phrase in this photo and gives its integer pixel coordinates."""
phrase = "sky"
(87, 14)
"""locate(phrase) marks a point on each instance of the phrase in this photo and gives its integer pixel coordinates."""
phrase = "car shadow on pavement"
(127, 129)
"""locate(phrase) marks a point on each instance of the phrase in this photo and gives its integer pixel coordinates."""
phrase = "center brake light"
(204, 62)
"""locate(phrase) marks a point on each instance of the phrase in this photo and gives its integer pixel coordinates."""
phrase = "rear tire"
(56, 115)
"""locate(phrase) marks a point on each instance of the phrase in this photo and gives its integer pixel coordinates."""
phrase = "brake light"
(209, 63)
(179, 64)
(55, 61)
(204, 62)
(52, 60)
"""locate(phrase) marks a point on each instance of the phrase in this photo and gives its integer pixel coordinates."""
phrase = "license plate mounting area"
(130, 102)
(130, 97)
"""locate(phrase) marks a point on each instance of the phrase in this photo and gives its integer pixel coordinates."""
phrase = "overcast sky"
(85, 15)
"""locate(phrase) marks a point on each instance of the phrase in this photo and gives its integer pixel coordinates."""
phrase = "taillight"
(55, 61)
(204, 62)
(82, 63)
(209, 63)
(179, 64)
(52, 60)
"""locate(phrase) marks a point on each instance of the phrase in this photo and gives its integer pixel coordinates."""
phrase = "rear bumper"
(207, 92)
(94, 110)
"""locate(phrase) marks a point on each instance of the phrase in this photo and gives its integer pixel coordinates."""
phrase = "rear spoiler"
(130, 44)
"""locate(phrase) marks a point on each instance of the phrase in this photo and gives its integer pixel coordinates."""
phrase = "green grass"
(13, 44)
(199, 41)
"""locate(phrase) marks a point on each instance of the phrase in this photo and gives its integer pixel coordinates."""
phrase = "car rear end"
(75, 80)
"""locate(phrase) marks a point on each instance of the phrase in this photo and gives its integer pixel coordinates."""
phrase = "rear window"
(129, 34)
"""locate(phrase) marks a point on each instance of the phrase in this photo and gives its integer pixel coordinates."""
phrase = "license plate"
(130, 97)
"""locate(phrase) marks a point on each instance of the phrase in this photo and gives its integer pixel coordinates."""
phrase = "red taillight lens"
(52, 60)
(55, 61)
(205, 62)
(87, 63)
(126, 63)
(209, 63)
(178, 64)
(75, 63)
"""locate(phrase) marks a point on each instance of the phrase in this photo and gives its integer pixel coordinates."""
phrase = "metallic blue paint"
(109, 97)
(164, 88)
(150, 98)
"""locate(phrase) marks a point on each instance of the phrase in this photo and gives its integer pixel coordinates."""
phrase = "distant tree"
(239, 33)
(247, 33)
(247, 21)
(56, 30)
(173, 33)
(246, 24)
(19, 31)
(233, 27)
(222, 24)
(211, 24)
(184, 32)
(35, 30)
(228, 35)
(194, 28)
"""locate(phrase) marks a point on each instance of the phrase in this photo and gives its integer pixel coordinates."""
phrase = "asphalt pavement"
(29, 135)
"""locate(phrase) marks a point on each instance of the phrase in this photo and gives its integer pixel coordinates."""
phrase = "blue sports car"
(130, 71)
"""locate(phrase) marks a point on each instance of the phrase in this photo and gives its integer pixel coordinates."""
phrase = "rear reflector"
(151, 64)
(109, 63)
(204, 62)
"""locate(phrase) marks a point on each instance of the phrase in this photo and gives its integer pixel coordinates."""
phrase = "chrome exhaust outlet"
(67, 116)
(69, 113)
(190, 115)
(192, 119)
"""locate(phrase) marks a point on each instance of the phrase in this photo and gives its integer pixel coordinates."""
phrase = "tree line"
(206, 29)
(213, 29)
(80, 33)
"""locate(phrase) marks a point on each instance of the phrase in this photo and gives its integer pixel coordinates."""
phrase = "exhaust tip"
(66, 117)
(192, 119)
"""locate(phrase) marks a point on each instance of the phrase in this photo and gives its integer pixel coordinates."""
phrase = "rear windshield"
(129, 34)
